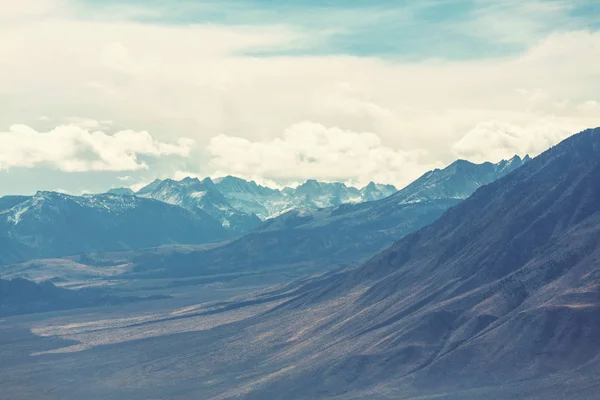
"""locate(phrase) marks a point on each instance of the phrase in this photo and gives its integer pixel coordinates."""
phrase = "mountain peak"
(460, 164)
(231, 178)
(48, 194)
(371, 185)
(515, 158)
(121, 191)
(311, 182)
(189, 180)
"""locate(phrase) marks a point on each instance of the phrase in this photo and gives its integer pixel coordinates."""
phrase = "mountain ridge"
(335, 236)
(203, 204)
(55, 224)
(193, 194)
(249, 198)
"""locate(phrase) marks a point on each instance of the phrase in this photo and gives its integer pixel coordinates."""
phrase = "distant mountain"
(342, 235)
(499, 298)
(250, 197)
(457, 181)
(21, 296)
(191, 211)
(313, 194)
(52, 224)
(237, 203)
(193, 194)
(121, 191)
(375, 191)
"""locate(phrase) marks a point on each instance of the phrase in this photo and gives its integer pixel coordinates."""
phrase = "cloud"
(496, 140)
(15, 10)
(590, 105)
(71, 148)
(309, 149)
(88, 123)
(169, 78)
(515, 22)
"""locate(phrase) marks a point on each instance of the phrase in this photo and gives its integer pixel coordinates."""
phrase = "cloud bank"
(71, 148)
(311, 149)
(496, 140)
(407, 113)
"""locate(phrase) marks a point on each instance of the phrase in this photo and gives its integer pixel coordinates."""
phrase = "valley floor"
(198, 344)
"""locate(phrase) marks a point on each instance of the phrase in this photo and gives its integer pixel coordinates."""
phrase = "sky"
(97, 94)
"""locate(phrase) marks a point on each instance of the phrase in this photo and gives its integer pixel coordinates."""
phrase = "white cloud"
(312, 150)
(590, 105)
(72, 148)
(517, 21)
(28, 8)
(87, 123)
(496, 140)
(195, 81)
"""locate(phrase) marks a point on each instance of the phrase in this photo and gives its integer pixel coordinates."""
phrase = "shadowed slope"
(51, 224)
(21, 296)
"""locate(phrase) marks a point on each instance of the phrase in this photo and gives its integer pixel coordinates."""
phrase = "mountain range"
(325, 223)
(193, 194)
(51, 224)
(343, 235)
(240, 205)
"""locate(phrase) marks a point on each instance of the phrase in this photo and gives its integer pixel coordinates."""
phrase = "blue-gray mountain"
(193, 194)
(240, 205)
(51, 224)
(347, 234)
(268, 203)
(191, 211)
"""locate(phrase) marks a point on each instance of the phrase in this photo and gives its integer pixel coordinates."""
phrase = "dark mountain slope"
(53, 224)
(343, 235)
(20, 296)
(504, 288)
